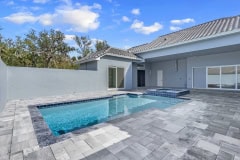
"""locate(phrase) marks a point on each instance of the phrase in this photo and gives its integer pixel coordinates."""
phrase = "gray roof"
(205, 30)
(111, 52)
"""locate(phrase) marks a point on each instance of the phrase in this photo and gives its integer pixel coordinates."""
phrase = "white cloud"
(125, 19)
(40, 1)
(135, 11)
(46, 19)
(79, 19)
(173, 28)
(21, 17)
(182, 21)
(138, 26)
(28, 17)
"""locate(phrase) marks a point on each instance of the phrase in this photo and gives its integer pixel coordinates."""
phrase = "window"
(115, 77)
(224, 77)
(238, 77)
(228, 77)
(214, 77)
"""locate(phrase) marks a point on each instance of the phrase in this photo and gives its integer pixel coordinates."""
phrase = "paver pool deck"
(205, 127)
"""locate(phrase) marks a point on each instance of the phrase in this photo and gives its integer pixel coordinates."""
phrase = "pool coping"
(44, 134)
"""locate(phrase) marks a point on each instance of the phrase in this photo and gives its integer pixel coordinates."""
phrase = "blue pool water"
(69, 117)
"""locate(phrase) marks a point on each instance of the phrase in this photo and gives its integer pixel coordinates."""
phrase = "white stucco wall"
(229, 58)
(24, 82)
(174, 73)
(3, 84)
(108, 61)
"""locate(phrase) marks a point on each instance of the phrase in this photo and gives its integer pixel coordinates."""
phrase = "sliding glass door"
(214, 77)
(120, 78)
(228, 78)
(115, 77)
(238, 77)
(225, 77)
(112, 72)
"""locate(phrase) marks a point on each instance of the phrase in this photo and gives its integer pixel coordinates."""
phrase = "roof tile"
(207, 29)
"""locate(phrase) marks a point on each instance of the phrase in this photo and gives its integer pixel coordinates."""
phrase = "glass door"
(120, 78)
(112, 77)
(228, 77)
(238, 77)
(115, 77)
(213, 78)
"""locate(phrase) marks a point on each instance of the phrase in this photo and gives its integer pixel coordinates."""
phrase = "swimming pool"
(64, 118)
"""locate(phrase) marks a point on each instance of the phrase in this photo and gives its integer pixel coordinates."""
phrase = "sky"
(122, 23)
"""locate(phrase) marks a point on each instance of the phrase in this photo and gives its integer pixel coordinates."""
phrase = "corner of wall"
(3, 84)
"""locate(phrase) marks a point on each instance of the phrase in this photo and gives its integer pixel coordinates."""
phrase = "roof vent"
(165, 39)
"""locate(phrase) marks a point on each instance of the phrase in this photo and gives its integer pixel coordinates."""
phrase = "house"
(205, 56)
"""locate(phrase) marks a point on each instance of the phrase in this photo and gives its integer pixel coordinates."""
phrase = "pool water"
(65, 118)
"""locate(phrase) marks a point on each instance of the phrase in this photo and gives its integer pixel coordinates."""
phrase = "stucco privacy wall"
(174, 73)
(38, 82)
(229, 58)
(26, 82)
(3, 84)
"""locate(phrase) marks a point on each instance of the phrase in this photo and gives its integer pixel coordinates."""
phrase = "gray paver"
(208, 146)
(225, 156)
(173, 128)
(227, 139)
(18, 156)
(206, 127)
(43, 154)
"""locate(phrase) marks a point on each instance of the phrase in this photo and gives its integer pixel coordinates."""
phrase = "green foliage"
(43, 49)
(84, 44)
(46, 49)
(101, 45)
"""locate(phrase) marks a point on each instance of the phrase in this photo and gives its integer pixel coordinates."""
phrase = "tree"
(51, 45)
(101, 45)
(84, 44)
(31, 42)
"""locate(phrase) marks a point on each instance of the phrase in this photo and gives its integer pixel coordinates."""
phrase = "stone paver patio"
(206, 127)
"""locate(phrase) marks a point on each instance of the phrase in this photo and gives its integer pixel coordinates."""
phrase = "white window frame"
(220, 88)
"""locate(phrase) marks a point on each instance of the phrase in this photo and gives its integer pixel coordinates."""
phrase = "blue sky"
(123, 23)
